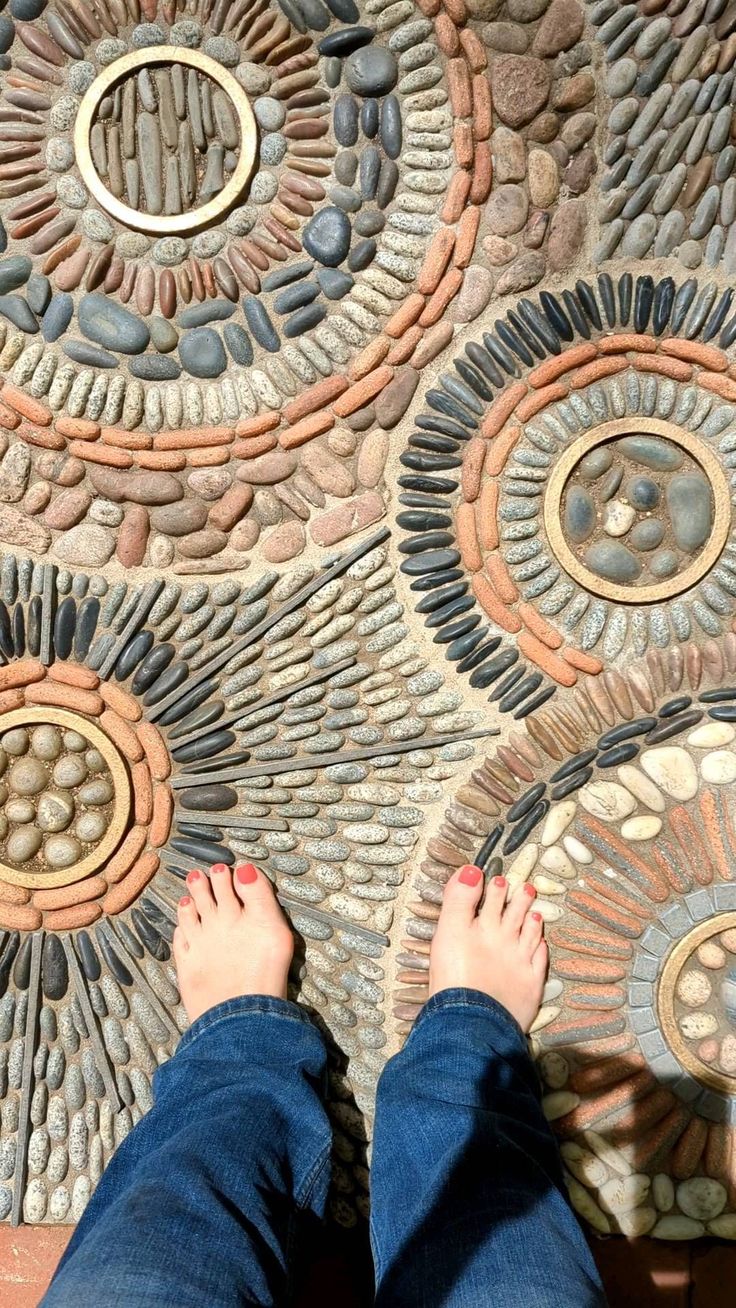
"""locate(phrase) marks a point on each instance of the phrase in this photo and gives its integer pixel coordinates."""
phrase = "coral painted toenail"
(470, 876)
(499, 881)
(194, 874)
(537, 917)
(185, 899)
(219, 867)
(530, 891)
(246, 874)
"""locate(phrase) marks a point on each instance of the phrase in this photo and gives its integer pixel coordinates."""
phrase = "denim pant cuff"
(243, 1006)
(466, 1000)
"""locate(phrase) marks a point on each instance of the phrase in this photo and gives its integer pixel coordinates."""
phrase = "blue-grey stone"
(334, 283)
(155, 367)
(17, 311)
(238, 343)
(646, 535)
(579, 513)
(642, 492)
(663, 564)
(38, 292)
(690, 504)
(345, 119)
(612, 560)
(304, 319)
(92, 356)
(107, 324)
(260, 324)
(57, 317)
(14, 272)
(654, 453)
(202, 353)
(197, 315)
(371, 70)
(327, 236)
(391, 127)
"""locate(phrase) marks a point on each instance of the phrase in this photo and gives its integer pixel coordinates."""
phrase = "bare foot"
(498, 949)
(232, 939)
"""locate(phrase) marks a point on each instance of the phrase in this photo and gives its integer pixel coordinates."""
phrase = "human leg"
(201, 1203)
(468, 1201)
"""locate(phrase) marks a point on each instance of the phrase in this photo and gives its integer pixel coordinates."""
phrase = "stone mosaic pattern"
(300, 503)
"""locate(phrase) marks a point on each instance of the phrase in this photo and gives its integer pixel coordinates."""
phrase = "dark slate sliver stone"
(717, 696)
(64, 626)
(573, 782)
(425, 461)
(508, 682)
(572, 765)
(17, 311)
(484, 363)
(295, 297)
(91, 356)
(200, 829)
(683, 300)
(556, 315)
(413, 500)
(435, 579)
(54, 968)
(204, 851)
(89, 612)
(643, 300)
(346, 10)
(334, 283)
(213, 798)
(108, 324)
(198, 315)
(463, 645)
(387, 183)
(673, 706)
(168, 681)
(489, 844)
(132, 653)
(527, 336)
(260, 324)
(416, 520)
(724, 713)
(19, 630)
(461, 392)
(22, 967)
(577, 317)
(625, 294)
(129, 939)
(284, 276)
(453, 609)
(33, 626)
(114, 962)
(195, 697)
(369, 118)
(650, 79)
(294, 14)
(203, 716)
(501, 354)
(700, 311)
(316, 15)
(204, 747)
(441, 402)
(619, 754)
(87, 956)
(718, 316)
(625, 731)
(38, 292)
(669, 727)
(362, 254)
(152, 667)
(728, 335)
(150, 937)
(303, 320)
(345, 119)
(434, 444)
(346, 40)
(479, 654)
(456, 629)
(445, 426)
(524, 828)
(664, 298)
(430, 540)
(391, 130)
(431, 485)
(526, 687)
(608, 297)
(540, 326)
(586, 294)
(238, 343)
(6, 633)
(513, 342)
(526, 801)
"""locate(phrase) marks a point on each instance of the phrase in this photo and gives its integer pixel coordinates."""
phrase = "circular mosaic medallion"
(695, 1002)
(624, 510)
(66, 797)
(163, 168)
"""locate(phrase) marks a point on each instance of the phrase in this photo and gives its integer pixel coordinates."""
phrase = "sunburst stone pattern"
(615, 803)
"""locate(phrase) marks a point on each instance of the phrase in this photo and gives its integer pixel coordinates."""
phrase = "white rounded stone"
(611, 1156)
(644, 827)
(556, 860)
(546, 886)
(577, 850)
(617, 518)
(674, 1227)
(719, 768)
(727, 1056)
(701, 1198)
(673, 770)
(585, 1166)
(694, 988)
(711, 735)
(622, 1193)
(607, 800)
(641, 787)
(586, 1207)
(663, 1192)
(697, 1026)
(522, 866)
(558, 820)
(711, 955)
(724, 1226)
(638, 1222)
(555, 1069)
(559, 1103)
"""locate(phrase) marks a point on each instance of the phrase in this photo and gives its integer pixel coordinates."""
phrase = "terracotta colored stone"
(155, 750)
(436, 260)
(538, 626)
(65, 696)
(520, 87)
(361, 392)
(124, 857)
(21, 673)
(706, 356)
(12, 894)
(132, 885)
(369, 358)
(501, 409)
(405, 316)
(675, 368)
(133, 536)
(472, 469)
(492, 605)
(582, 661)
(306, 429)
(79, 892)
(193, 439)
(457, 196)
(334, 525)
(722, 386)
(263, 422)
(231, 507)
(538, 400)
(74, 674)
(284, 542)
(444, 294)
(467, 539)
(142, 793)
(500, 579)
(313, 400)
(19, 917)
(500, 449)
(433, 342)
(26, 405)
(486, 520)
(163, 812)
(458, 85)
(542, 655)
(72, 918)
(592, 372)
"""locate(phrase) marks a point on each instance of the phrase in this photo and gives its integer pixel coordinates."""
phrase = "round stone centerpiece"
(64, 797)
(697, 1002)
(637, 511)
(173, 135)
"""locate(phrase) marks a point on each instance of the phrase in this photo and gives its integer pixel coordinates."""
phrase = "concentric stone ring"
(667, 1001)
(65, 876)
(129, 64)
(682, 580)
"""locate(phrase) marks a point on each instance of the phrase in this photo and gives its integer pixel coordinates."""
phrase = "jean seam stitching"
(302, 1198)
(190, 1036)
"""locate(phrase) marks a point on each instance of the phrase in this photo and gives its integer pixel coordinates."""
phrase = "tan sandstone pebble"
(544, 182)
(520, 87)
(342, 521)
(474, 296)
(284, 542)
(372, 459)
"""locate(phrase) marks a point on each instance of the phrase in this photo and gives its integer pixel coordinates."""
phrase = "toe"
(199, 888)
(255, 891)
(517, 908)
(221, 882)
(462, 895)
(187, 915)
(180, 943)
(531, 932)
(496, 892)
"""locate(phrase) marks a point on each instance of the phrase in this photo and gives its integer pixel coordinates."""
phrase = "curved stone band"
(166, 224)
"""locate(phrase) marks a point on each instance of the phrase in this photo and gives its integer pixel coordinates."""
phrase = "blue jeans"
(202, 1204)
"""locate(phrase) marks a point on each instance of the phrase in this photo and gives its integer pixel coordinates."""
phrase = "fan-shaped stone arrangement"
(615, 802)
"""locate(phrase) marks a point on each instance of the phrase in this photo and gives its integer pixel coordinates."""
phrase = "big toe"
(462, 896)
(255, 892)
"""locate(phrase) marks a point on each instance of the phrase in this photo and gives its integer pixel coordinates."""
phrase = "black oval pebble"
(673, 706)
(431, 561)
(625, 731)
(87, 956)
(525, 802)
(573, 782)
(213, 798)
(673, 726)
(619, 754)
(525, 827)
(54, 968)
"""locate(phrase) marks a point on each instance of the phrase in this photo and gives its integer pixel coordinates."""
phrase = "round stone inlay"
(64, 797)
(179, 143)
(697, 1002)
(637, 511)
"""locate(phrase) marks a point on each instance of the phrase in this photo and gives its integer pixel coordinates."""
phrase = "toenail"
(185, 899)
(530, 891)
(195, 872)
(470, 876)
(246, 874)
(499, 881)
(537, 917)
(219, 867)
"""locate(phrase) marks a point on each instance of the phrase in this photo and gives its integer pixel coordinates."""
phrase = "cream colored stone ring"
(165, 224)
(121, 801)
(676, 960)
(673, 585)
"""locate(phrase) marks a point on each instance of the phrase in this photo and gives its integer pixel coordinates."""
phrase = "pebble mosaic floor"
(367, 443)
